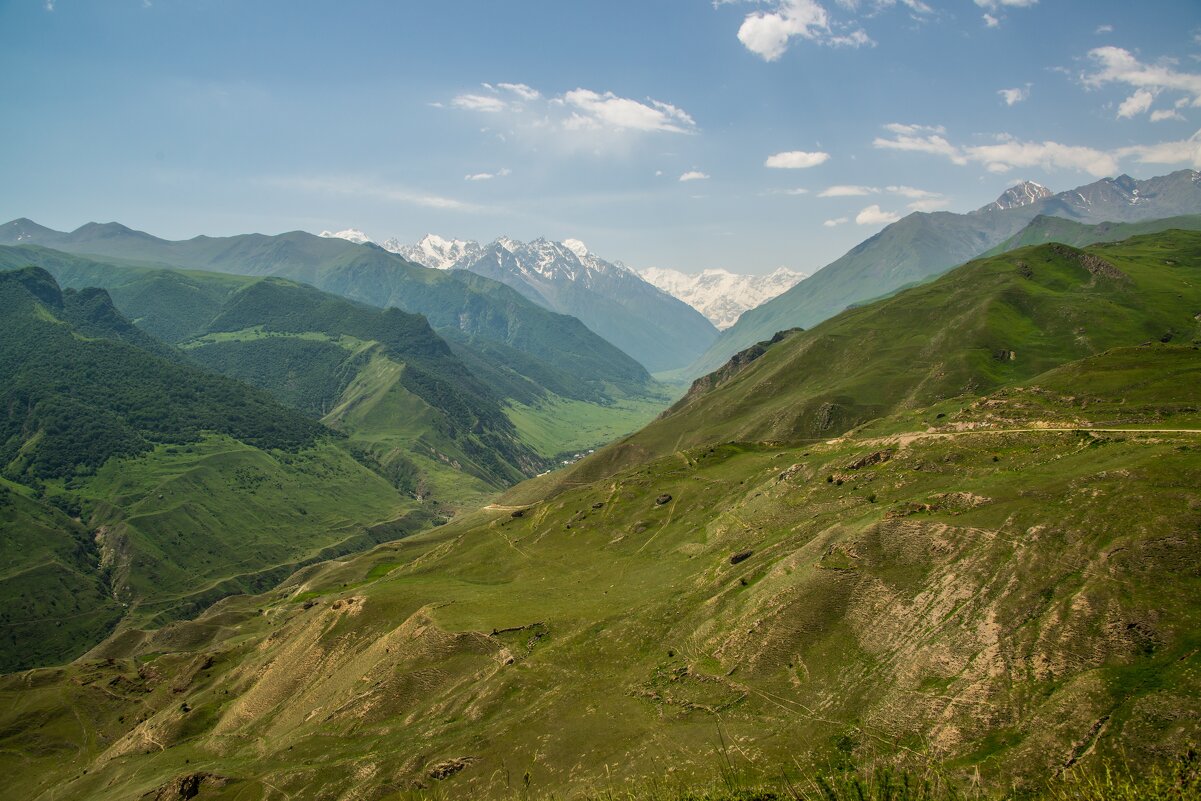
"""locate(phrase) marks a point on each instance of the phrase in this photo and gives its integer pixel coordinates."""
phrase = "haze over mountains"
(659, 330)
(925, 244)
(721, 295)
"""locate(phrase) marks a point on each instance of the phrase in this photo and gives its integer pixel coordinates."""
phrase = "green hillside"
(474, 306)
(972, 550)
(140, 488)
(988, 323)
(923, 245)
(983, 597)
(318, 343)
(1043, 229)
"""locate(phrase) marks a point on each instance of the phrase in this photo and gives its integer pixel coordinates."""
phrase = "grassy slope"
(999, 602)
(142, 481)
(457, 300)
(1042, 230)
(180, 306)
(990, 322)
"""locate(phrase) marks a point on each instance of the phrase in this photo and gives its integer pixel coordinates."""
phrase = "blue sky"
(672, 133)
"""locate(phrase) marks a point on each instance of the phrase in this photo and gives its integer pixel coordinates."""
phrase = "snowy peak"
(720, 295)
(350, 235)
(577, 247)
(1023, 194)
(438, 253)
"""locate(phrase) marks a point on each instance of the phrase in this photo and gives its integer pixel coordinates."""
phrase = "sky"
(687, 134)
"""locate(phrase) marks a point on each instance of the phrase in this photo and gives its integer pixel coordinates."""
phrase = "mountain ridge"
(925, 244)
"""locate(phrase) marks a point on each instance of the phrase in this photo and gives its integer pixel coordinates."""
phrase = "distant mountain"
(460, 304)
(444, 417)
(1024, 194)
(926, 244)
(436, 252)
(720, 295)
(1043, 229)
(659, 330)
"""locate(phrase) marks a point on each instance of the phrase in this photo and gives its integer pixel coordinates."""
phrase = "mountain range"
(721, 295)
(951, 531)
(658, 329)
(521, 338)
(926, 244)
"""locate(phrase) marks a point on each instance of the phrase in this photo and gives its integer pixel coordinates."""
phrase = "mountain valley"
(902, 535)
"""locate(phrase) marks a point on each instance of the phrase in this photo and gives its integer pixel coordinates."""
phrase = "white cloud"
(929, 204)
(796, 160)
(586, 116)
(1102, 29)
(995, 4)
(1186, 152)
(1009, 153)
(912, 193)
(844, 190)
(488, 103)
(1115, 65)
(49, 5)
(1138, 103)
(993, 20)
(1166, 114)
(521, 90)
(874, 215)
(835, 221)
(610, 111)
(767, 34)
(1014, 96)
(922, 199)
(358, 187)
(488, 176)
(856, 38)
(921, 139)
(694, 175)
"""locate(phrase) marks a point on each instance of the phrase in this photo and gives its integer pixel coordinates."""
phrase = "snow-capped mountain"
(434, 251)
(350, 235)
(657, 329)
(721, 295)
(1022, 194)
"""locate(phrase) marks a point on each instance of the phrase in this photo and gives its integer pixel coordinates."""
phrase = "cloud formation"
(488, 176)
(844, 190)
(835, 221)
(693, 175)
(1008, 152)
(796, 160)
(360, 187)
(1113, 65)
(577, 110)
(1014, 96)
(992, 20)
(921, 199)
(1138, 103)
(769, 33)
(874, 215)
